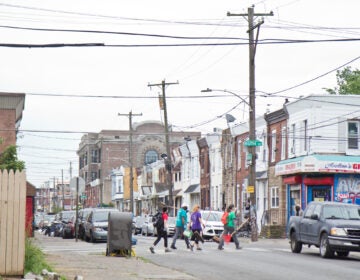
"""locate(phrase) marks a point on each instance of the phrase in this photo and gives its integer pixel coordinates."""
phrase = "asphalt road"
(264, 259)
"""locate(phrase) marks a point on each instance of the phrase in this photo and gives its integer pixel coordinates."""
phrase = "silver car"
(96, 225)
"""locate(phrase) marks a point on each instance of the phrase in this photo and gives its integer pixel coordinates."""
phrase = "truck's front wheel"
(296, 246)
(325, 250)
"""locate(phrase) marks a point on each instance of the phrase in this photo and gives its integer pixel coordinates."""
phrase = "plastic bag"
(188, 233)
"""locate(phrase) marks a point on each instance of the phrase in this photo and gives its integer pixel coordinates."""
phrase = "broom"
(217, 238)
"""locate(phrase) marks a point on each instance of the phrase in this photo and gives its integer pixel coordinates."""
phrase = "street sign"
(250, 189)
(252, 143)
(81, 184)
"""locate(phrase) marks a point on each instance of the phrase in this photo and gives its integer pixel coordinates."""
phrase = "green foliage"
(9, 160)
(348, 82)
(34, 258)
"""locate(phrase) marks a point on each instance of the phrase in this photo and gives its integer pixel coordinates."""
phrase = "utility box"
(119, 233)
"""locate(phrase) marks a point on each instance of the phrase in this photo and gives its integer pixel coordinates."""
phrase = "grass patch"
(34, 258)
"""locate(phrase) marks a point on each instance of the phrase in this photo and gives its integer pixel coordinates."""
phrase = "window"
(151, 156)
(94, 156)
(273, 145)
(274, 197)
(283, 142)
(353, 135)
(293, 127)
(304, 136)
(239, 151)
(93, 175)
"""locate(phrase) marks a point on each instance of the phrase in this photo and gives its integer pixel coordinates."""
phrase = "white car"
(213, 224)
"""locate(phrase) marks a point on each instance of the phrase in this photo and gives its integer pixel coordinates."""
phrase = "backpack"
(224, 217)
(158, 220)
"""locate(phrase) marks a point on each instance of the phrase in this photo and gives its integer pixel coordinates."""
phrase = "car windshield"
(65, 216)
(101, 216)
(341, 212)
(211, 216)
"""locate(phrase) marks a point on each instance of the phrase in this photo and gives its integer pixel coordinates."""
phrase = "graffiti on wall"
(348, 190)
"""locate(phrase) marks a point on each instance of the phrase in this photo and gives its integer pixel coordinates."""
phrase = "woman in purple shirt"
(196, 227)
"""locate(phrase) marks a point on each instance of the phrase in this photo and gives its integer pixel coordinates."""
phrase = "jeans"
(178, 233)
(161, 233)
(228, 230)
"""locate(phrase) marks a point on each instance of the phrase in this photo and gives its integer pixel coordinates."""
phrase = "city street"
(265, 259)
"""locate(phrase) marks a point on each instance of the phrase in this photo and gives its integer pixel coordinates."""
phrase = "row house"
(323, 152)
(310, 151)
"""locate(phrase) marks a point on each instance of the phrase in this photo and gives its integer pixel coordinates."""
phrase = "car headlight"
(98, 229)
(338, 231)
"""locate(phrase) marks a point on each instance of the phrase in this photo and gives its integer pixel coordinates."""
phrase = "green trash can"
(119, 233)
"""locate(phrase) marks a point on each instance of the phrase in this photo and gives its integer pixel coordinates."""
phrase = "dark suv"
(82, 215)
(96, 224)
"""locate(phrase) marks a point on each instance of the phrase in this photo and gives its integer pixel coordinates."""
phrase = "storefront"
(320, 178)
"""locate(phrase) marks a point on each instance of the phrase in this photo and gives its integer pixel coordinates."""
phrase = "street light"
(228, 91)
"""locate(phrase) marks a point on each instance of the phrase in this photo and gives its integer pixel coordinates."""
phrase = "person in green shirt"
(229, 228)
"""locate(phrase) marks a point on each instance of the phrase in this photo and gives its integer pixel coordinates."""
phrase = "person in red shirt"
(162, 232)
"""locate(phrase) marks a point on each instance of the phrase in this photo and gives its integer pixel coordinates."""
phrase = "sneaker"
(192, 248)
(238, 248)
(152, 250)
(173, 247)
(167, 250)
(221, 248)
(198, 249)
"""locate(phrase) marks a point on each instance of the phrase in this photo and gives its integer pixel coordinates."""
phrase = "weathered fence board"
(12, 222)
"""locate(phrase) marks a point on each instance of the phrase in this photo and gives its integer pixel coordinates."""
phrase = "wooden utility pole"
(130, 115)
(168, 163)
(252, 122)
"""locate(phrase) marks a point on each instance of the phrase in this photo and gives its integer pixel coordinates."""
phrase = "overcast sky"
(191, 43)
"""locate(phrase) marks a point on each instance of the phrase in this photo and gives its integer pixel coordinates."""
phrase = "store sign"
(316, 164)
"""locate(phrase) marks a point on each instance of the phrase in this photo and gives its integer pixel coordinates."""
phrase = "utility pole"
(252, 122)
(63, 189)
(168, 163)
(130, 159)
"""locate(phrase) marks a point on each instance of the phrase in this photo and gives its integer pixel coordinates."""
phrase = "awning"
(177, 192)
(319, 164)
(193, 189)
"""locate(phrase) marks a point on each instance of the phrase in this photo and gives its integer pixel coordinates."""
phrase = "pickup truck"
(330, 226)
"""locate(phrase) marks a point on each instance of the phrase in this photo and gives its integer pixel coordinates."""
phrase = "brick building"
(101, 153)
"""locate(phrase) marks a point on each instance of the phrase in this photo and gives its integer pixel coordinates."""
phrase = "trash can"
(119, 233)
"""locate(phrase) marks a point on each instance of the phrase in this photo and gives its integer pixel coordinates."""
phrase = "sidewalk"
(97, 266)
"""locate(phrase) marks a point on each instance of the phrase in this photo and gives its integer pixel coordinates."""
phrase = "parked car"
(147, 227)
(68, 230)
(213, 224)
(330, 226)
(139, 221)
(82, 215)
(171, 226)
(96, 225)
(65, 215)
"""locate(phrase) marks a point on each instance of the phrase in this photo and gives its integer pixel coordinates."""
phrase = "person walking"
(196, 224)
(229, 228)
(161, 229)
(181, 225)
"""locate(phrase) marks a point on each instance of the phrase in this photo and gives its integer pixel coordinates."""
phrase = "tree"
(348, 82)
(9, 160)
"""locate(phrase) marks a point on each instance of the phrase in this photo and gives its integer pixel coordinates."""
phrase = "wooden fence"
(12, 223)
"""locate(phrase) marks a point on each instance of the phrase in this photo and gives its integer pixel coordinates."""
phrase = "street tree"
(348, 81)
(9, 160)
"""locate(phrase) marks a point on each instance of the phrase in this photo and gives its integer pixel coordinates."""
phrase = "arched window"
(151, 156)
